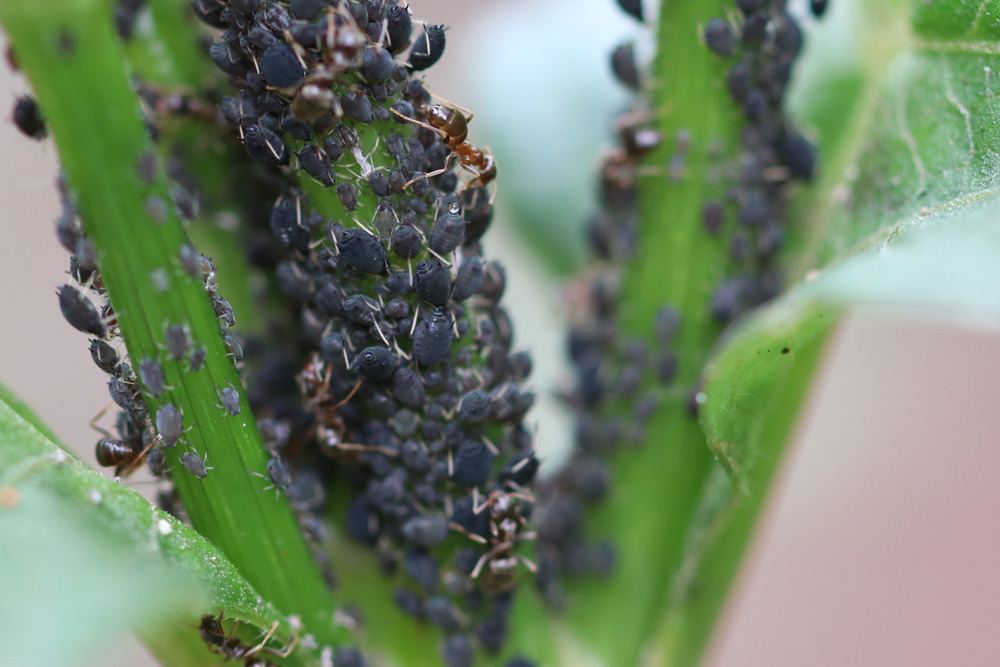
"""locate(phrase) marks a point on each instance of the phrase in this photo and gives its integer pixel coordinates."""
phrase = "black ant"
(499, 564)
(453, 126)
(214, 635)
(329, 428)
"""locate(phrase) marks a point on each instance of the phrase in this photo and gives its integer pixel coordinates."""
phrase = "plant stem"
(67, 49)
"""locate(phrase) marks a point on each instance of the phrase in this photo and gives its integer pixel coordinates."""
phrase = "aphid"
(80, 312)
(432, 282)
(287, 224)
(432, 338)
(712, 216)
(233, 346)
(625, 67)
(492, 632)
(363, 251)
(278, 473)
(224, 311)
(474, 407)
(156, 209)
(448, 231)
(156, 462)
(169, 425)
(348, 195)
(379, 183)
(378, 64)
(818, 7)
(473, 462)
(428, 48)
(229, 398)
(376, 363)
(280, 67)
(194, 464)
(303, 9)
(442, 613)
(177, 340)
(357, 106)
(798, 154)
(228, 59)
(522, 471)
(105, 356)
(632, 7)
(469, 279)
(399, 27)
(264, 146)
(666, 322)
(520, 661)
(405, 241)
(294, 281)
(720, 37)
(198, 356)
(348, 656)
(426, 530)
(313, 160)
(28, 117)
(408, 388)
(456, 651)
(151, 374)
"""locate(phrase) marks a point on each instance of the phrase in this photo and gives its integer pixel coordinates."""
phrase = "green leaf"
(68, 51)
(85, 560)
(905, 218)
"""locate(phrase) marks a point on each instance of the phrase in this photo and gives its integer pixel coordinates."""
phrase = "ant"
(453, 126)
(329, 428)
(214, 635)
(499, 564)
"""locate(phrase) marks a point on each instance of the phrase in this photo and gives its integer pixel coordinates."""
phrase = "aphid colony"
(608, 367)
(407, 386)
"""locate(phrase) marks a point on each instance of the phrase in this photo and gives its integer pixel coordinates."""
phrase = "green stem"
(67, 49)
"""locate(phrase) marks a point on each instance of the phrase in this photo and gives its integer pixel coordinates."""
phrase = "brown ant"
(453, 126)
(329, 428)
(498, 566)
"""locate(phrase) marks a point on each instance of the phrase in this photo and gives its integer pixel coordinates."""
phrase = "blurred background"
(874, 549)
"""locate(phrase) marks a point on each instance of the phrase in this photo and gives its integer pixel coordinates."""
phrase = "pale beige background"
(880, 547)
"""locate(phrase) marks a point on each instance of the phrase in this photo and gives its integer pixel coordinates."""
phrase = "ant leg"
(479, 539)
(267, 637)
(415, 121)
(93, 421)
(344, 401)
(528, 563)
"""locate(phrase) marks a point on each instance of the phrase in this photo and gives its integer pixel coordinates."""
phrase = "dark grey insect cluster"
(764, 43)
(609, 367)
(408, 386)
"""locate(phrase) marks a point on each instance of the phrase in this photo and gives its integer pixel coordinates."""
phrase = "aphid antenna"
(400, 351)
(439, 257)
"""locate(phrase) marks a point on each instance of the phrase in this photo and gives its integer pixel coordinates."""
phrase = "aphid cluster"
(612, 371)
(764, 42)
(408, 386)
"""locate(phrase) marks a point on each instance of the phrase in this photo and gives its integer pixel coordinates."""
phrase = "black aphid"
(264, 146)
(80, 312)
(432, 282)
(194, 464)
(720, 37)
(377, 64)
(474, 407)
(818, 7)
(448, 231)
(432, 338)
(428, 47)
(287, 224)
(625, 67)
(405, 241)
(348, 195)
(105, 356)
(177, 340)
(408, 388)
(151, 374)
(28, 117)
(426, 530)
(348, 656)
(632, 7)
(228, 58)
(314, 161)
(456, 651)
(197, 360)
(376, 363)
(473, 461)
(278, 473)
(469, 279)
(280, 67)
(363, 251)
(230, 400)
(798, 154)
(399, 26)
(169, 425)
